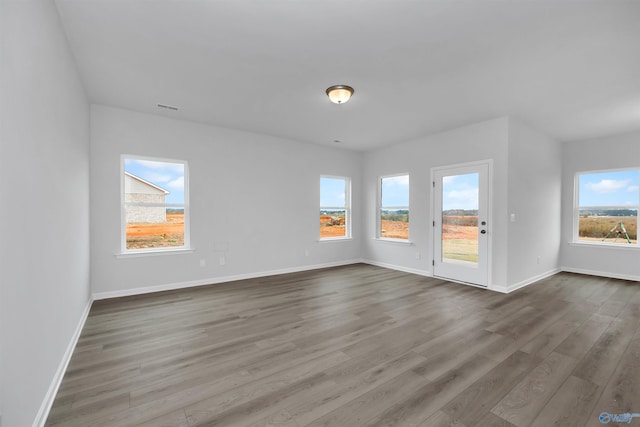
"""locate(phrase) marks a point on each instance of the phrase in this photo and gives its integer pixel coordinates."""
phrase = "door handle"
(483, 231)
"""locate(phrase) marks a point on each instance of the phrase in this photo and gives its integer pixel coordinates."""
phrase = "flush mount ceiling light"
(339, 94)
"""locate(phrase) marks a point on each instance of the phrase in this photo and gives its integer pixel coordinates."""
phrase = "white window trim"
(619, 246)
(155, 252)
(575, 237)
(346, 208)
(380, 207)
(393, 240)
(186, 248)
(333, 239)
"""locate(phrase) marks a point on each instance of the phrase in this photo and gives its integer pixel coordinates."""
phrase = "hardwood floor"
(354, 346)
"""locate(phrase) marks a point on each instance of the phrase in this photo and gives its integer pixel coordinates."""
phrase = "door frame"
(434, 170)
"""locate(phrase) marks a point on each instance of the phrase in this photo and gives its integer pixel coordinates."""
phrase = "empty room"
(319, 213)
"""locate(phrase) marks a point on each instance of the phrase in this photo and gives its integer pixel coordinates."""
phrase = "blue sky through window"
(460, 192)
(169, 176)
(332, 192)
(616, 188)
(395, 191)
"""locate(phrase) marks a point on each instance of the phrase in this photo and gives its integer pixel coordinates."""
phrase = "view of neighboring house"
(145, 201)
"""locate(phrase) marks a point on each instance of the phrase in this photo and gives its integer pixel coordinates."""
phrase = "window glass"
(394, 207)
(607, 207)
(154, 204)
(334, 207)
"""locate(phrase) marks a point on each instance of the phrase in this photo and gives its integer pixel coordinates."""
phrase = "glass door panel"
(460, 218)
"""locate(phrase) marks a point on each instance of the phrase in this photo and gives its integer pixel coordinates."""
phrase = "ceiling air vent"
(168, 107)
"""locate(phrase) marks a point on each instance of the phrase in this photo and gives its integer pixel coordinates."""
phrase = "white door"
(461, 228)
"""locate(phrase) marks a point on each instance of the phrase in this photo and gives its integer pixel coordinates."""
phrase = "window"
(394, 207)
(607, 207)
(335, 207)
(155, 208)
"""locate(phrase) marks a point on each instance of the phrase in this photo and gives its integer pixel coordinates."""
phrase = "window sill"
(618, 246)
(394, 241)
(334, 239)
(156, 252)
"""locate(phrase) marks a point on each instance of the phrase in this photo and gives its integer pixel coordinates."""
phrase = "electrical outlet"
(513, 217)
(222, 261)
(306, 252)
(417, 255)
(203, 263)
(538, 260)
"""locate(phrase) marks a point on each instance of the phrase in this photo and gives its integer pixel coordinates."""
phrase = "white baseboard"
(215, 280)
(602, 274)
(501, 289)
(47, 403)
(398, 268)
(532, 280)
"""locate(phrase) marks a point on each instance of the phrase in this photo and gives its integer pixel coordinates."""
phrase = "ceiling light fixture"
(339, 94)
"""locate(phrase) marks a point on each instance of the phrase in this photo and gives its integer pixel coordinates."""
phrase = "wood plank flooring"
(358, 346)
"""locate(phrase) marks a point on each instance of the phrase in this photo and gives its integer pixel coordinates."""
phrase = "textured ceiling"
(570, 68)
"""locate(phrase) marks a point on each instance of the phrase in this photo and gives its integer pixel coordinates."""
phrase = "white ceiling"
(570, 68)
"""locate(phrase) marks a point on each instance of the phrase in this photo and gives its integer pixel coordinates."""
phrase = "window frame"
(380, 208)
(575, 240)
(347, 208)
(186, 246)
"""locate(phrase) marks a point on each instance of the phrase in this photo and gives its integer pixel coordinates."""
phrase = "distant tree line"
(608, 212)
(331, 212)
(460, 212)
(401, 215)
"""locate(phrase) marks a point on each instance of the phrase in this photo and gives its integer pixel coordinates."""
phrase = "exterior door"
(461, 223)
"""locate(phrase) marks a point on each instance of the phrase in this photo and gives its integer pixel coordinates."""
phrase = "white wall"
(526, 181)
(482, 141)
(534, 186)
(614, 152)
(254, 201)
(233, 171)
(44, 182)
